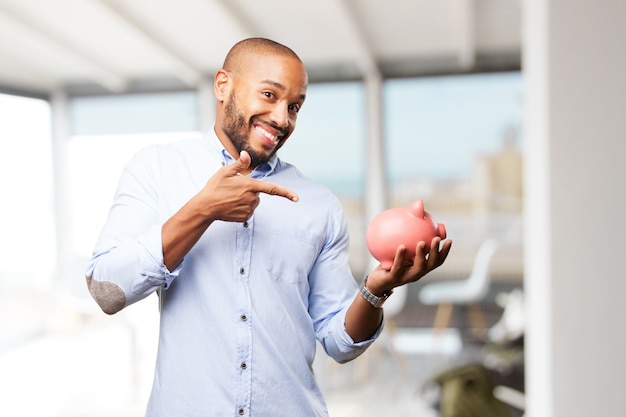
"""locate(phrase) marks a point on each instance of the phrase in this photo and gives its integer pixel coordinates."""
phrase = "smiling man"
(272, 90)
(249, 258)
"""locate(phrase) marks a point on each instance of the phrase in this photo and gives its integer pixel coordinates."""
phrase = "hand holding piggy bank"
(401, 226)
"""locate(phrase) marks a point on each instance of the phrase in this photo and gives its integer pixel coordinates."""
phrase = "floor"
(64, 365)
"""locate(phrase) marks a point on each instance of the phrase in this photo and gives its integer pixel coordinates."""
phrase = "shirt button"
(245, 224)
(243, 365)
(244, 317)
(241, 411)
(242, 271)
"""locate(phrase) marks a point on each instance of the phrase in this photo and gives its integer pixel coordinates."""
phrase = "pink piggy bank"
(401, 226)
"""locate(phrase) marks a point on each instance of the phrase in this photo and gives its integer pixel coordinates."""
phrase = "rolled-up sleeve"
(333, 289)
(338, 343)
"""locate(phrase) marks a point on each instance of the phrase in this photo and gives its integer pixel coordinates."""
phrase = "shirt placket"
(244, 328)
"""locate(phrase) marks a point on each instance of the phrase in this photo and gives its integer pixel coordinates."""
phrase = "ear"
(220, 84)
(417, 208)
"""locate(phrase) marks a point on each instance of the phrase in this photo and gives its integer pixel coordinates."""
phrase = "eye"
(294, 108)
(268, 94)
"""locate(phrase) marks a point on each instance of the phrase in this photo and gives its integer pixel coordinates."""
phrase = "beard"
(238, 129)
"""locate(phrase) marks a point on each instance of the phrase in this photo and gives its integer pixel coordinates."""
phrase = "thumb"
(240, 164)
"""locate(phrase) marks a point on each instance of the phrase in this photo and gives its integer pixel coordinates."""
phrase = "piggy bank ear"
(417, 208)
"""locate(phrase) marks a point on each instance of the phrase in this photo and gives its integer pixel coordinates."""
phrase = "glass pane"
(27, 247)
(134, 113)
(27, 242)
(437, 126)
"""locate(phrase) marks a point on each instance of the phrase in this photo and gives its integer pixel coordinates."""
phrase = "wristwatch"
(374, 300)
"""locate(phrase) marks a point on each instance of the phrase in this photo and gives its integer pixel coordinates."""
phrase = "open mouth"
(270, 137)
(267, 135)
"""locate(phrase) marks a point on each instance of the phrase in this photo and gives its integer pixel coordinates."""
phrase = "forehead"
(282, 71)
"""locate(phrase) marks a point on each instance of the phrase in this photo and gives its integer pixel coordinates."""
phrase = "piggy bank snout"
(441, 231)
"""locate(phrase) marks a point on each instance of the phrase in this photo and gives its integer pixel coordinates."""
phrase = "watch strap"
(374, 300)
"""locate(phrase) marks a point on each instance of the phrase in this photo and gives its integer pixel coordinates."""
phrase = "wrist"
(377, 291)
(375, 300)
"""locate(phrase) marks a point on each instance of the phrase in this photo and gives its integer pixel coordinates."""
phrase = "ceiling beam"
(30, 93)
(184, 70)
(102, 74)
(365, 58)
(467, 41)
(244, 23)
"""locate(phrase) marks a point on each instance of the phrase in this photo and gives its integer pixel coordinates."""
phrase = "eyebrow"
(280, 87)
(274, 83)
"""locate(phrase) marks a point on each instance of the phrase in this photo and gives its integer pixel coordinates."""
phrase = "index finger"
(275, 189)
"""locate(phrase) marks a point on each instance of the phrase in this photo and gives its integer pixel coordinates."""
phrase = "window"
(27, 246)
(456, 143)
(27, 232)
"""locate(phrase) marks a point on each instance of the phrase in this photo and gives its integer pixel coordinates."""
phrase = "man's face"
(261, 110)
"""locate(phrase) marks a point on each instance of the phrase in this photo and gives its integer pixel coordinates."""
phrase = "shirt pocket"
(292, 254)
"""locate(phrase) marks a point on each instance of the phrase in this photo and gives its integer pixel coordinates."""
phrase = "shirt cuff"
(365, 343)
(344, 348)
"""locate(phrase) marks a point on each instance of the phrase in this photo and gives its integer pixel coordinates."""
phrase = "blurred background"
(439, 101)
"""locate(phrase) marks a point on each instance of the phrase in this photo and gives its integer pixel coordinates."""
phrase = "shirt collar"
(218, 148)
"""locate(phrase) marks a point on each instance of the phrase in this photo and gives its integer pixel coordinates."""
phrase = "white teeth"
(266, 134)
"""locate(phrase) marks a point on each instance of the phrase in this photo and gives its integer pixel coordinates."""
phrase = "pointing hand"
(231, 196)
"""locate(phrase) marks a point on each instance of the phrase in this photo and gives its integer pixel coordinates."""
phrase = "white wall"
(575, 185)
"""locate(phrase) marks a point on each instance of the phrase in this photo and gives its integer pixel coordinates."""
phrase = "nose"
(280, 114)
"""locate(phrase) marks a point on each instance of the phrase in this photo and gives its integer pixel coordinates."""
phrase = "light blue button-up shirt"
(241, 314)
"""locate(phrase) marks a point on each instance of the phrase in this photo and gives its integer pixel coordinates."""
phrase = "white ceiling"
(94, 46)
